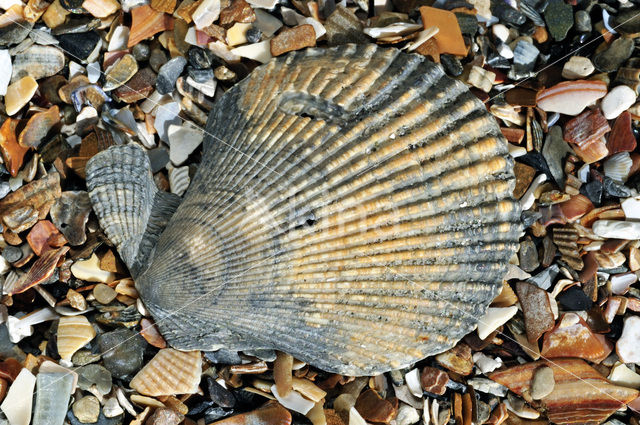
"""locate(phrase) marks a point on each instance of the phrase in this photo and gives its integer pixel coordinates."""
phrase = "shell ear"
(130, 208)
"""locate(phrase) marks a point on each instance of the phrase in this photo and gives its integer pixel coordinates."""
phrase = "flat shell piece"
(580, 394)
(38, 62)
(41, 270)
(74, 332)
(52, 397)
(146, 22)
(449, 36)
(169, 372)
(70, 213)
(38, 126)
(17, 404)
(571, 97)
(572, 337)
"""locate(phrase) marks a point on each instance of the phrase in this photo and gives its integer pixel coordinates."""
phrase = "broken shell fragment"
(19, 94)
(412, 169)
(70, 213)
(571, 97)
(74, 332)
(38, 127)
(580, 395)
(169, 372)
(37, 62)
(41, 270)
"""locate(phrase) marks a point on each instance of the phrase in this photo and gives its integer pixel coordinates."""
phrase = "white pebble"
(505, 51)
(628, 346)
(622, 375)
(631, 208)
(620, 283)
(528, 198)
(485, 363)
(616, 229)
(90, 270)
(617, 101)
(260, 51)
(577, 67)
(6, 67)
(407, 415)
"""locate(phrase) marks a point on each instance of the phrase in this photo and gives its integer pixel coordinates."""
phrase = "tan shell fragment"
(358, 215)
(169, 372)
(74, 332)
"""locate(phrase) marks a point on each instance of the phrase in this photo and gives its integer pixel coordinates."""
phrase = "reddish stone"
(621, 138)
(239, 11)
(374, 408)
(43, 236)
(434, 380)
(9, 369)
(587, 127)
(271, 413)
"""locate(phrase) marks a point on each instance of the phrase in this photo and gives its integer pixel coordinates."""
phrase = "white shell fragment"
(183, 140)
(207, 12)
(179, 179)
(616, 229)
(399, 28)
(90, 270)
(260, 51)
(494, 318)
(294, 401)
(5, 75)
(119, 39)
(17, 404)
(412, 378)
(52, 398)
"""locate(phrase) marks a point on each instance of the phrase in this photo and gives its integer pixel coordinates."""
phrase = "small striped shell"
(353, 208)
(74, 332)
(169, 372)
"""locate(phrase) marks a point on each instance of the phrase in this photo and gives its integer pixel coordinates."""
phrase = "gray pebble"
(87, 409)
(583, 21)
(12, 253)
(611, 59)
(94, 374)
(169, 73)
(123, 350)
(141, 52)
(253, 35)
(542, 383)
(157, 58)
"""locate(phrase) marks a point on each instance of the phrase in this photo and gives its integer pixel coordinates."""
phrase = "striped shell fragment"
(352, 208)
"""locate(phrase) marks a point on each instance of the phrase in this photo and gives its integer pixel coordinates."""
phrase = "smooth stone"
(79, 45)
(6, 67)
(102, 420)
(12, 253)
(141, 52)
(628, 345)
(611, 59)
(166, 115)
(164, 416)
(542, 383)
(493, 319)
(52, 398)
(583, 21)
(407, 415)
(183, 140)
(19, 94)
(559, 18)
(157, 58)
(123, 350)
(94, 374)
(501, 32)
(577, 67)
(618, 100)
(17, 403)
(84, 357)
(620, 374)
(168, 75)
(104, 294)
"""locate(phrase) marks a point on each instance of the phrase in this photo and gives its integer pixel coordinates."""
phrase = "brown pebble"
(374, 408)
(76, 300)
(44, 236)
(3, 388)
(239, 11)
(164, 416)
(536, 308)
(272, 413)
(138, 87)
(434, 380)
(38, 126)
(621, 138)
(458, 359)
(524, 176)
(291, 39)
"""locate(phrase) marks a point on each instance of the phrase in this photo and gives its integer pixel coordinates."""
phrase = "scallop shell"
(169, 372)
(353, 208)
(74, 332)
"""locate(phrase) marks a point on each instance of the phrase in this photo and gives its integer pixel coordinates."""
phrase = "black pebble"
(79, 45)
(593, 190)
(451, 64)
(219, 394)
(253, 35)
(574, 299)
(616, 189)
(200, 58)
(200, 75)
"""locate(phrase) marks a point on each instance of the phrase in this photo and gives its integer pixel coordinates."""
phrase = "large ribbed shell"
(353, 208)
